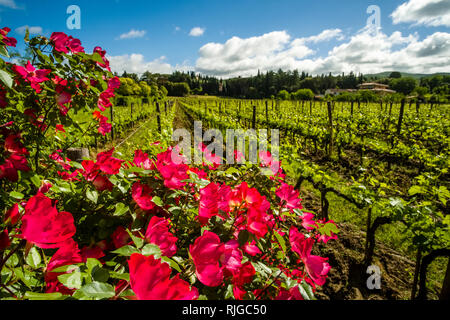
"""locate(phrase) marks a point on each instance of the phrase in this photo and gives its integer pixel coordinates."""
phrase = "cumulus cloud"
(9, 4)
(133, 34)
(245, 56)
(197, 32)
(364, 52)
(32, 30)
(135, 63)
(423, 12)
(326, 35)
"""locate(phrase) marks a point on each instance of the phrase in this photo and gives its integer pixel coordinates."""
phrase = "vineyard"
(363, 166)
(97, 201)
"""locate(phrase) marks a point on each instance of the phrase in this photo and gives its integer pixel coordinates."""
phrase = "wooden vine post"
(78, 154)
(112, 121)
(445, 292)
(330, 128)
(158, 117)
(400, 118)
(131, 114)
(267, 111)
(370, 238)
(426, 261)
(254, 118)
(416, 273)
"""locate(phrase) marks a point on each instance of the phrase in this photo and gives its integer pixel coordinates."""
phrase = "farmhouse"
(376, 87)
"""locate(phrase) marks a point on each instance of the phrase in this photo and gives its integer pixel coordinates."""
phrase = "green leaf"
(171, 263)
(62, 187)
(121, 209)
(415, 190)
(98, 290)
(157, 200)
(91, 263)
(127, 293)
(100, 274)
(138, 242)
(67, 268)
(4, 51)
(34, 258)
(134, 170)
(121, 276)
(243, 237)
(329, 228)
(36, 181)
(42, 296)
(97, 58)
(151, 250)
(76, 165)
(281, 241)
(92, 195)
(16, 195)
(306, 291)
(126, 251)
(229, 293)
(71, 280)
(231, 170)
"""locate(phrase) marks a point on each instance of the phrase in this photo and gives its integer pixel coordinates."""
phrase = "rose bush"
(154, 227)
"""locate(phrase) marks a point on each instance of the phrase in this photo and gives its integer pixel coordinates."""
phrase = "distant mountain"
(404, 75)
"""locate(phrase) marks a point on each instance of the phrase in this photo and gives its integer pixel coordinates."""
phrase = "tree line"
(291, 85)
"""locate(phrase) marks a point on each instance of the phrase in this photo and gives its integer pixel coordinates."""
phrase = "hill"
(405, 74)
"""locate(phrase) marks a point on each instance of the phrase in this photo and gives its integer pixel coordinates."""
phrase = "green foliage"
(283, 95)
(403, 85)
(179, 89)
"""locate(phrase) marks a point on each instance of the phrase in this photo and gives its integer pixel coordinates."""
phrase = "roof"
(373, 84)
(385, 90)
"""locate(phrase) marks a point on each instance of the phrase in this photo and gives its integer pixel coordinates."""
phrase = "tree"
(367, 96)
(346, 97)
(403, 85)
(395, 75)
(179, 89)
(303, 95)
(146, 90)
(283, 95)
(421, 92)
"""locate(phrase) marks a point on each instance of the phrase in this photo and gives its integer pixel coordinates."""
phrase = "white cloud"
(197, 32)
(9, 3)
(423, 12)
(245, 56)
(32, 30)
(135, 63)
(133, 34)
(363, 52)
(326, 35)
(177, 28)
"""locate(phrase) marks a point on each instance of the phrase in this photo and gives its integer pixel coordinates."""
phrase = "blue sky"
(267, 32)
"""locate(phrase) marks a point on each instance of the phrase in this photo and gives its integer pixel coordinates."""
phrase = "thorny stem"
(266, 287)
(121, 291)
(2, 263)
(9, 291)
